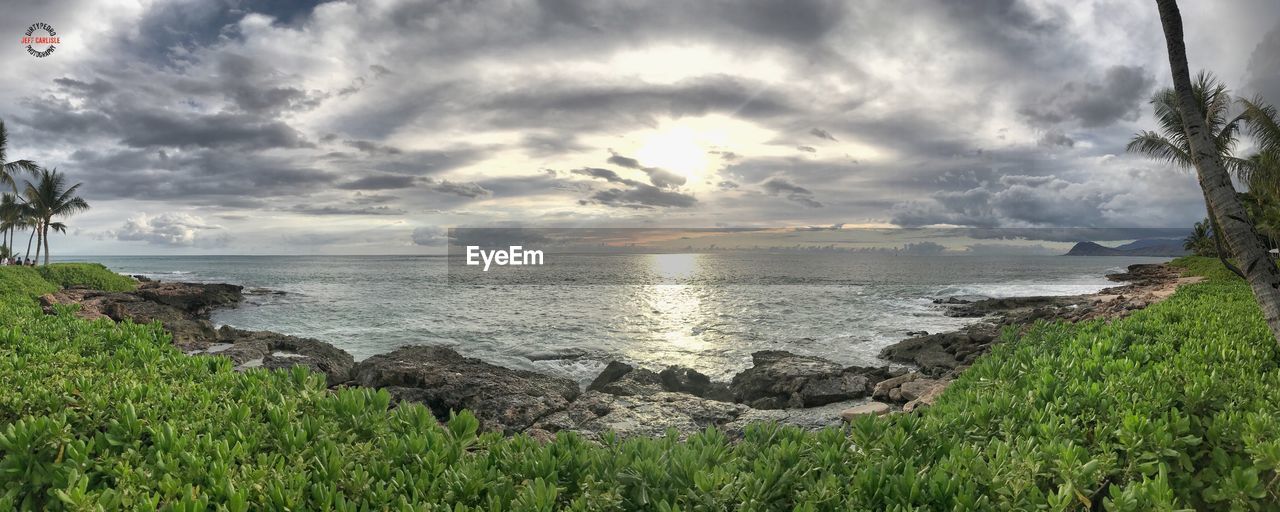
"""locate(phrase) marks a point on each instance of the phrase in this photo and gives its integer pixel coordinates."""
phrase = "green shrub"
(16, 281)
(92, 275)
(1172, 407)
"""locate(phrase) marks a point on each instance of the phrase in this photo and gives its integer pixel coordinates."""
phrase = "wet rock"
(780, 379)
(619, 378)
(687, 380)
(869, 408)
(567, 354)
(283, 351)
(503, 399)
(595, 413)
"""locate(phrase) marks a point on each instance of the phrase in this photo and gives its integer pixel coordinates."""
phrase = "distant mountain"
(1158, 247)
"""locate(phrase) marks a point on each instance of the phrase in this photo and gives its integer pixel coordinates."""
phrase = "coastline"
(804, 391)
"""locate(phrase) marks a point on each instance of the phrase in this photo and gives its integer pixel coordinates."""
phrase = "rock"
(595, 413)
(283, 351)
(811, 418)
(619, 378)
(687, 380)
(557, 355)
(917, 388)
(194, 298)
(872, 408)
(936, 354)
(883, 388)
(923, 392)
(917, 333)
(503, 399)
(780, 379)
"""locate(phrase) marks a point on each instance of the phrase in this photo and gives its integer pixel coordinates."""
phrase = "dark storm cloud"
(635, 195)
(658, 177)
(822, 134)
(468, 190)
(1118, 95)
(200, 176)
(642, 195)
(1054, 138)
(379, 182)
(591, 106)
(791, 191)
(1263, 73)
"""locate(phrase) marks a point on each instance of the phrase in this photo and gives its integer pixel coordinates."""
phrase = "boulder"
(596, 412)
(619, 378)
(780, 379)
(869, 408)
(567, 354)
(277, 350)
(882, 389)
(940, 353)
(503, 399)
(687, 380)
(196, 298)
(922, 393)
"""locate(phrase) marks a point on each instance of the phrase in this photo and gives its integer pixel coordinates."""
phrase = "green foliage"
(93, 275)
(1171, 408)
(17, 281)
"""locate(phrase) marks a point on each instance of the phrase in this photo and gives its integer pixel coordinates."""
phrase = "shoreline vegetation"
(1088, 401)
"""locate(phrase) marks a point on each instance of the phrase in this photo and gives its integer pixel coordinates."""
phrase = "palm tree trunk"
(1242, 238)
(29, 238)
(1217, 241)
(39, 238)
(46, 243)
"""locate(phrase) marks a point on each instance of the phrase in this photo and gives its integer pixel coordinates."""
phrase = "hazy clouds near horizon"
(348, 127)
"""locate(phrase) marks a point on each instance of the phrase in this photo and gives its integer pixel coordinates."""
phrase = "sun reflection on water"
(676, 314)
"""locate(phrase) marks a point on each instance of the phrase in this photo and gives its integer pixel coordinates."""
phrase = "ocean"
(843, 307)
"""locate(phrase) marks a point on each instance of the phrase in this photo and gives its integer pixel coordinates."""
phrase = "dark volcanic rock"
(780, 379)
(595, 413)
(687, 380)
(619, 378)
(276, 350)
(195, 298)
(503, 399)
(622, 379)
(936, 354)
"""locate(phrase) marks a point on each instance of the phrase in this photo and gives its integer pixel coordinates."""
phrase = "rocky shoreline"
(792, 389)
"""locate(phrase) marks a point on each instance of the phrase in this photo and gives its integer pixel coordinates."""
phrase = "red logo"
(41, 40)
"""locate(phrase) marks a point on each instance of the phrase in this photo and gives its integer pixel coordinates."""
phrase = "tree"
(1200, 241)
(9, 171)
(50, 197)
(1171, 144)
(1233, 222)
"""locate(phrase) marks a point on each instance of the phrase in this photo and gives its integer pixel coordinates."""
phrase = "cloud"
(429, 235)
(468, 190)
(380, 182)
(1118, 95)
(171, 229)
(1055, 138)
(793, 192)
(822, 134)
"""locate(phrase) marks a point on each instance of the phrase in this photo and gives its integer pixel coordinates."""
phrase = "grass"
(92, 275)
(1173, 407)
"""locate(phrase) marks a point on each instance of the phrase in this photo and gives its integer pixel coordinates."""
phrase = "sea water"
(844, 307)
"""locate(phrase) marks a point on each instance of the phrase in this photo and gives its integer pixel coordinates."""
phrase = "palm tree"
(1233, 222)
(1171, 144)
(50, 197)
(9, 171)
(1200, 241)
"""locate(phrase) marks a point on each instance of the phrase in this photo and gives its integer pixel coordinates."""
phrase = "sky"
(371, 127)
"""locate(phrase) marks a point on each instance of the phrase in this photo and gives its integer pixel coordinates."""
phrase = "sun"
(676, 150)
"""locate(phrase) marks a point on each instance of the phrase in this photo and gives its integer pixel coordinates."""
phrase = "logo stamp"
(41, 40)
